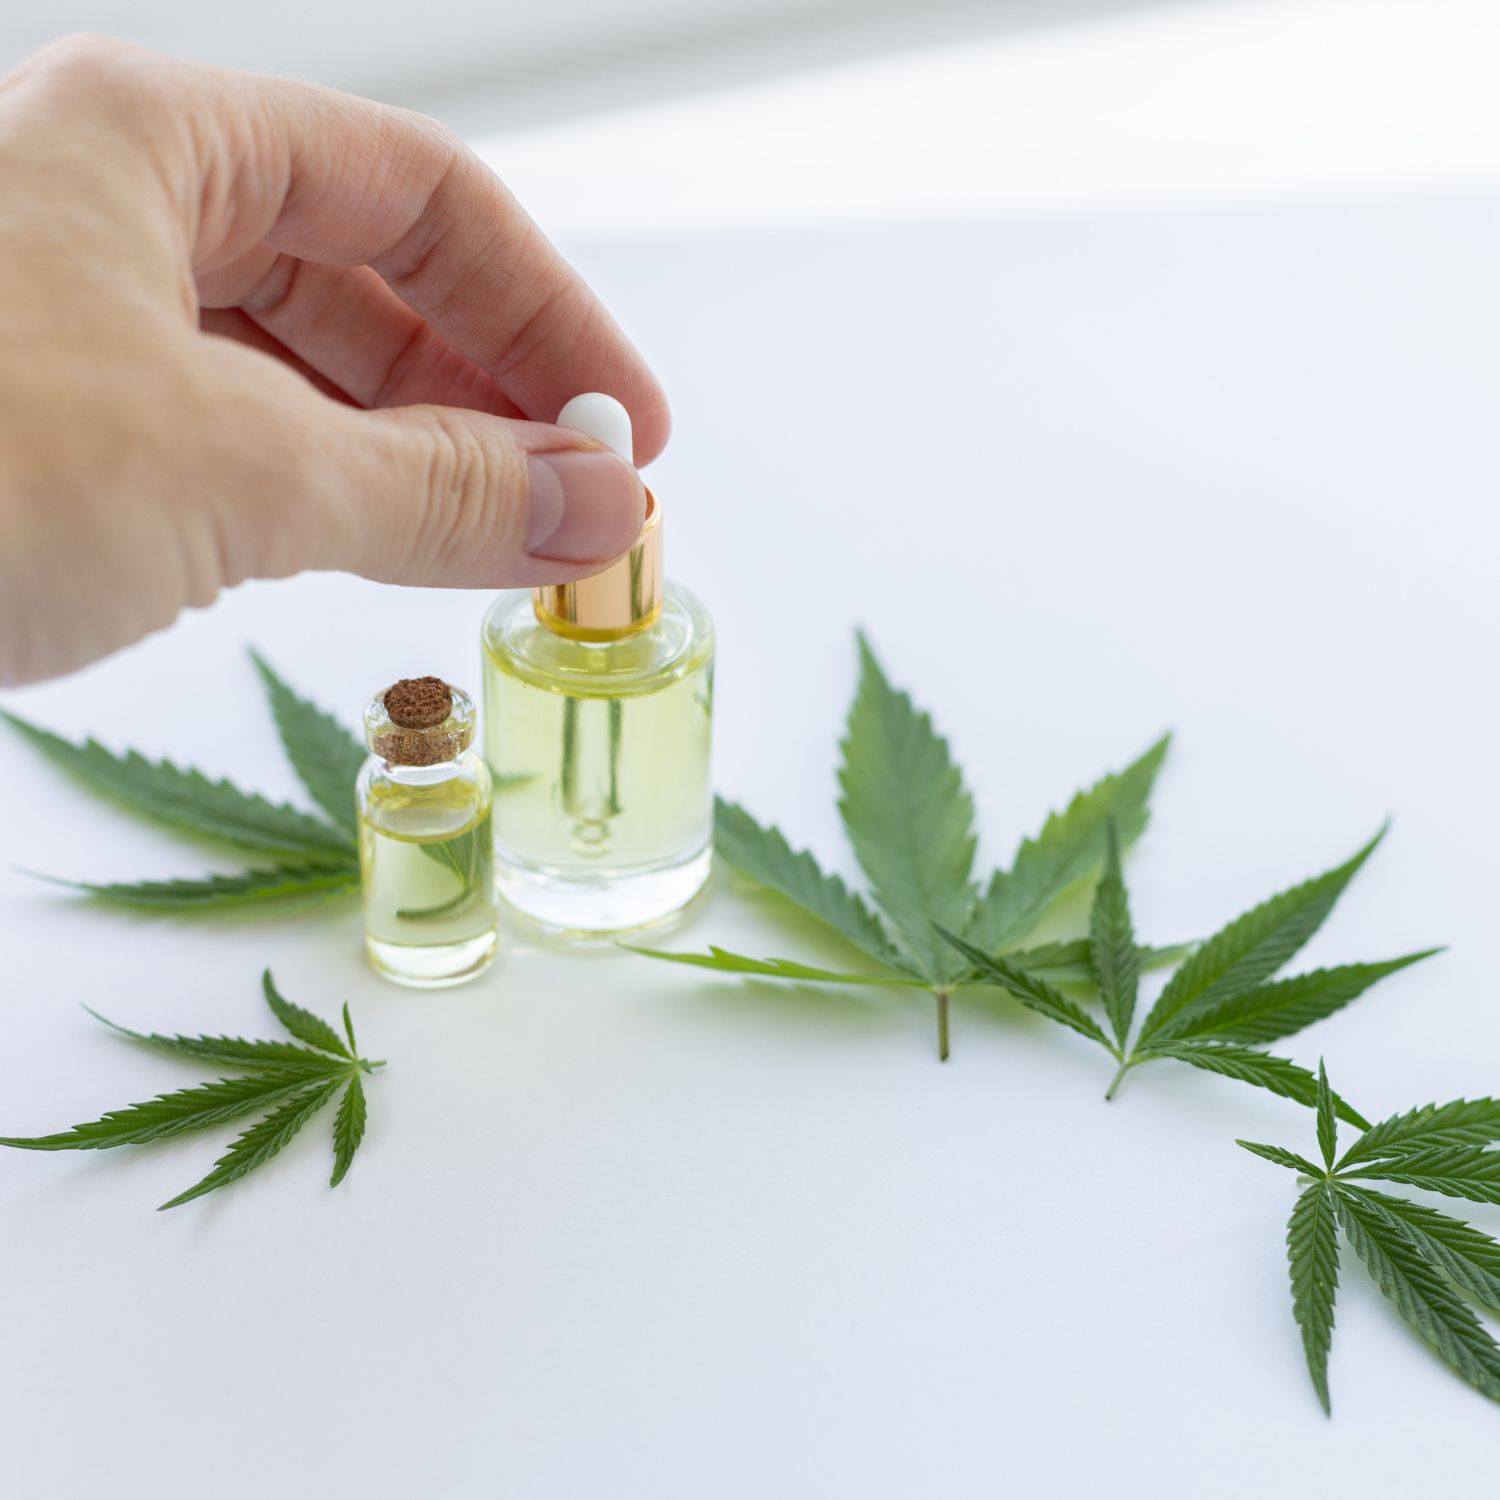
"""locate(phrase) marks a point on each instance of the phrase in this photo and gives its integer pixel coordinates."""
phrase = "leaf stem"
(1126, 1064)
(941, 996)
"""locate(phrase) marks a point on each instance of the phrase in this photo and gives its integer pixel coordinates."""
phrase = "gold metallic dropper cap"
(623, 600)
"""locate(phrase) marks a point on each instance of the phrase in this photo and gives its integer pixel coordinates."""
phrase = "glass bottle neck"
(444, 770)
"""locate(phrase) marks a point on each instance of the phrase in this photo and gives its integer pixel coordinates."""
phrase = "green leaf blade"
(1312, 1250)
(1421, 1295)
(1277, 1075)
(1328, 1128)
(1471, 1172)
(1030, 989)
(722, 961)
(325, 755)
(909, 817)
(1469, 1257)
(171, 1114)
(1071, 961)
(1282, 1157)
(1461, 1122)
(1268, 1012)
(188, 800)
(234, 1050)
(303, 1024)
(1059, 963)
(1112, 948)
(348, 1129)
(251, 890)
(1068, 849)
(763, 854)
(263, 1140)
(1253, 946)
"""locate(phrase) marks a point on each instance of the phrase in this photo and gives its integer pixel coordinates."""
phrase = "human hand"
(250, 326)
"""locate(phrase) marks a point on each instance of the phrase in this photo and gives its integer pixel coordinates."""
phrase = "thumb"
(446, 496)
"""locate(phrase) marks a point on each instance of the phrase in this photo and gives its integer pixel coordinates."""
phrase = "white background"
(1220, 461)
(477, 62)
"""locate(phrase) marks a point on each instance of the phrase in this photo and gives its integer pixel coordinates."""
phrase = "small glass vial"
(598, 710)
(424, 837)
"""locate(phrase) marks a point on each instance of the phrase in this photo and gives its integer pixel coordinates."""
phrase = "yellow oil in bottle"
(601, 755)
(427, 868)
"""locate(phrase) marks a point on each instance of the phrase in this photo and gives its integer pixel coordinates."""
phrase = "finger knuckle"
(93, 67)
(443, 141)
(467, 481)
(461, 469)
(412, 258)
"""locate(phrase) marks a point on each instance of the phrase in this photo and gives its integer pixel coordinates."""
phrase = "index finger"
(329, 177)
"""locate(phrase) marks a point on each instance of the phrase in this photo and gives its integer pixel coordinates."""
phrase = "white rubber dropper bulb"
(602, 417)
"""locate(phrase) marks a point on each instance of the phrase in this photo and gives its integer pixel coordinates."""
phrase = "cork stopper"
(419, 702)
(419, 721)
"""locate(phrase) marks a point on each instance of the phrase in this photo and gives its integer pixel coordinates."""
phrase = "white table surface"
(620, 1230)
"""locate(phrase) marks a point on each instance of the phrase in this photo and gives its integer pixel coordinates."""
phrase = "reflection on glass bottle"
(589, 778)
(598, 706)
(424, 837)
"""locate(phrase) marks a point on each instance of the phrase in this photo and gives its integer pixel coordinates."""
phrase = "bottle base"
(434, 966)
(601, 906)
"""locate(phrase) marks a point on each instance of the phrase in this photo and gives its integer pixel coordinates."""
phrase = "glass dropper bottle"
(598, 707)
(424, 800)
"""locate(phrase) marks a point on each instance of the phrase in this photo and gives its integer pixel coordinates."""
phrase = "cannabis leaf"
(1282, 1157)
(255, 1146)
(1112, 951)
(302, 857)
(1251, 948)
(303, 1024)
(1072, 962)
(1062, 963)
(325, 756)
(1069, 848)
(1034, 992)
(287, 1057)
(348, 1128)
(1264, 1070)
(1430, 1265)
(1460, 1171)
(1465, 1122)
(289, 1081)
(1268, 1011)
(910, 819)
(188, 800)
(270, 888)
(1312, 1252)
(765, 856)
(725, 962)
(1219, 1000)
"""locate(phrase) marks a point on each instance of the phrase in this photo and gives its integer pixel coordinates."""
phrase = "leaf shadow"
(847, 1010)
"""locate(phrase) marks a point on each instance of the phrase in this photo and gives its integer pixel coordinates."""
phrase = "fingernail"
(586, 506)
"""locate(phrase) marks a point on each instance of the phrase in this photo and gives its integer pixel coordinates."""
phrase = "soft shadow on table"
(152, 1174)
(829, 1008)
(779, 929)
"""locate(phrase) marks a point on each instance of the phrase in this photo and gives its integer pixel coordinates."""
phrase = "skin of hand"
(250, 326)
